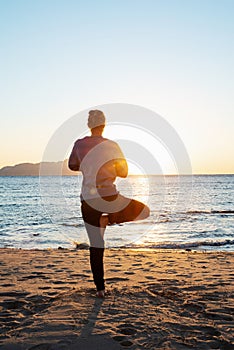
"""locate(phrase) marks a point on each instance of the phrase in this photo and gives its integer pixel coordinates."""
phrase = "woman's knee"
(145, 213)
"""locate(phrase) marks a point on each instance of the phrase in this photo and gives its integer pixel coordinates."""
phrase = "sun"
(137, 143)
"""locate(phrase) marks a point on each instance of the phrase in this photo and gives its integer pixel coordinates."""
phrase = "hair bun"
(96, 118)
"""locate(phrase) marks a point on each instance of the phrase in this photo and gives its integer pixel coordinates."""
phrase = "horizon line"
(130, 174)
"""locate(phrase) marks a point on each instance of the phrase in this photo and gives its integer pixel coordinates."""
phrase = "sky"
(174, 57)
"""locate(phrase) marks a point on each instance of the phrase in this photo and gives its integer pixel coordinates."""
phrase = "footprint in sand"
(116, 279)
(125, 330)
(119, 338)
(123, 340)
(150, 277)
(126, 343)
(79, 275)
(44, 288)
(13, 304)
(193, 307)
(218, 316)
(52, 294)
(59, 270)
(14, 294)
(8, 285)
(35, 275)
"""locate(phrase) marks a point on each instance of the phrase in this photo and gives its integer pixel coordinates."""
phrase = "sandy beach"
(156, 300)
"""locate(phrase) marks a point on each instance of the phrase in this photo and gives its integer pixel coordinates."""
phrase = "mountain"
(43, 169)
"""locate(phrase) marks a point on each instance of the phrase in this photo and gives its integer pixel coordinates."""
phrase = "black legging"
(130, 210)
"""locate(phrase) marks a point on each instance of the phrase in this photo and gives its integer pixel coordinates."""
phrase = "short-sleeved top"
(96, 157)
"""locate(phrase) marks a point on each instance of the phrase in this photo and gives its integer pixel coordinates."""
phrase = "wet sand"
(156, 300)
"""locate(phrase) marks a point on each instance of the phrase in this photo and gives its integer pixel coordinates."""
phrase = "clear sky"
(175, 57)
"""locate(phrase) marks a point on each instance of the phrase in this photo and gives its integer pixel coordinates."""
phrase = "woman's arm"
(74, 162)
(121, 167)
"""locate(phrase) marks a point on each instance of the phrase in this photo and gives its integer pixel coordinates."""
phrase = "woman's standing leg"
(97, 267)
(92, 220)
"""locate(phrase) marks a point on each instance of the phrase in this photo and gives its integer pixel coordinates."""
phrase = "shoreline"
(85, 246)
(163, 299)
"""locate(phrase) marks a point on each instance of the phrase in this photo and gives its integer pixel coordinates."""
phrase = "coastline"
(164, 299)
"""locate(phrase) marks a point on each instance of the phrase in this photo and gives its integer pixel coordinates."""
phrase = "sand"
(156, 300)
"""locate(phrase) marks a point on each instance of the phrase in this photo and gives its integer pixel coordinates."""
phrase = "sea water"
(192, 212)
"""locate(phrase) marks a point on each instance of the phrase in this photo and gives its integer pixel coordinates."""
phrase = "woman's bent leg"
(132, 211)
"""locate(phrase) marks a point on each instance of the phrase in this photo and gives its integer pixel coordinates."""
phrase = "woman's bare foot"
(100, 293)
(103, 222)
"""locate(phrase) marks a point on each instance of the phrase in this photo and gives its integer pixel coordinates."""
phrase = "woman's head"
(96, 119)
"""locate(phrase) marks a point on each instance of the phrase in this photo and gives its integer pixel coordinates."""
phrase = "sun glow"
(131, 136)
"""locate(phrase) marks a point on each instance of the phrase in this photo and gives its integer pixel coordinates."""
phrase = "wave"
(222, 211)
(188, 245)
(72, 225)
(166, 217)
(210, 212)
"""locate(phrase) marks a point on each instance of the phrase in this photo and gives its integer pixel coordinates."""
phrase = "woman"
(101, 160)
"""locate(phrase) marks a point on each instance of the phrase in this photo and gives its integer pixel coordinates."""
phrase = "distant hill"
(44, 168)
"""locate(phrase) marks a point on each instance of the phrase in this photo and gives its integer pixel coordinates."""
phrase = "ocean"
(187, 212)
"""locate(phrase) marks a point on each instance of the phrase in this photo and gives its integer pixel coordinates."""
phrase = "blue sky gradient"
(175, 57)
